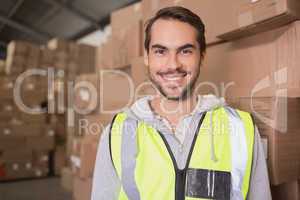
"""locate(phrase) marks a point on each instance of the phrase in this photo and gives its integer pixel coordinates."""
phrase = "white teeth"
(172, 77)
(175, 78)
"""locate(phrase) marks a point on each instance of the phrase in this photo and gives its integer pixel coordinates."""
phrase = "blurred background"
(65, 67)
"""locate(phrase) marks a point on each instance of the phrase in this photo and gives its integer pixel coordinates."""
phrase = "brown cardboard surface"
(41, 143)
(11, 143)
(106, 54)
(116, 89)
(21, 130)
(126, 35)
(17, 155)
(254, 17)
(127, 44)
(47, 58)
(227, 21)
(259, 65)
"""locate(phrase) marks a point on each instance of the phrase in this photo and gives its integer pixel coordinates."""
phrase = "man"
(178, 145)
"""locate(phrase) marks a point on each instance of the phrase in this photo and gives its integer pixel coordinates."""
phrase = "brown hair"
(181, 14)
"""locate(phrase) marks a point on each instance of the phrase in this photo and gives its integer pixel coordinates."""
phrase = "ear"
(146, 62)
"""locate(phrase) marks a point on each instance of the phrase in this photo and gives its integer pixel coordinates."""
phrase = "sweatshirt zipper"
(180, 174)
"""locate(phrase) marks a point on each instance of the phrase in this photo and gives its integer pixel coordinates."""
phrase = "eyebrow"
(178, 49)
(158, 46)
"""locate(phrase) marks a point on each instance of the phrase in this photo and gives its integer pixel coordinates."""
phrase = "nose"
(172, 62)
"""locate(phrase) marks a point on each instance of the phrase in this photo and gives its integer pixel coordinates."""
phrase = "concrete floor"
(42, 189)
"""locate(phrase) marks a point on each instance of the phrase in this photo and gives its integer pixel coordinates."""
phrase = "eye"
(159, 51)
(186, 51)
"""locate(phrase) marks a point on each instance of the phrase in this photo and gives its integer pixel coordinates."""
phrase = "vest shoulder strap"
(123, 148)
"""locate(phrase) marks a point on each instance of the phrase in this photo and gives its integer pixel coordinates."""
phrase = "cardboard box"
(67, 179)
(238, 19)
(127, 44)
(126, 34)
(277, 119)
(258, 66)
(252, 17)
(82, 188)
(20, 56)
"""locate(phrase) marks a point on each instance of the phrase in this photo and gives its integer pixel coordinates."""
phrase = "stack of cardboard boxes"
(252, 61)
(33, 145)
(100, 95)
(72, 59)
(97, 98)
(26, 138)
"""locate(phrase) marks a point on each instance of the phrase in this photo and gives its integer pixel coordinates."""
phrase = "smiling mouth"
(173, 76)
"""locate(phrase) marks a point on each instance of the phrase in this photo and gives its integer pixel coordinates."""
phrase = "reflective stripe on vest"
(218, 167)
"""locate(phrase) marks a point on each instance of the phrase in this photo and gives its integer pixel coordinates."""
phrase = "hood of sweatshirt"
(141, 110)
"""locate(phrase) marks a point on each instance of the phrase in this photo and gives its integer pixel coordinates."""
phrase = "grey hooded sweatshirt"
(106, 183)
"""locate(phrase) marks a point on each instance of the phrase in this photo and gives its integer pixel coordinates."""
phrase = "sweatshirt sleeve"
(106, 183)
(259, 181)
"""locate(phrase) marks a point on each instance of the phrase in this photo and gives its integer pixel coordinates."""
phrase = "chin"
(175, 97)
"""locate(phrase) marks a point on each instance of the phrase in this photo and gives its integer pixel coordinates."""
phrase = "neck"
(173, 109)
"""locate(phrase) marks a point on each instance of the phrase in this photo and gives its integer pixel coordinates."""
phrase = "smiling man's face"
(173, 58)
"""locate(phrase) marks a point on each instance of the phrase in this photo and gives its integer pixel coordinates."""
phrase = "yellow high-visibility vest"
(218, 165)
